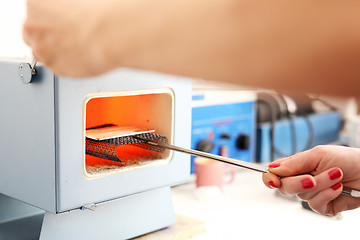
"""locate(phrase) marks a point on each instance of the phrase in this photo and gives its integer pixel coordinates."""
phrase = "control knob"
(243, 142)
(205, 145)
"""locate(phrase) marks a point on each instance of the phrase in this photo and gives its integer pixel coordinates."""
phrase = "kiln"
(43, 161)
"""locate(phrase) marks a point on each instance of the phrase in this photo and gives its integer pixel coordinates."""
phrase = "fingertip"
(336, 186)
(272, 185)
(266, 177)
(308, 183)
(274, 165)
(335, 173)
(271, 180)
(279, 168)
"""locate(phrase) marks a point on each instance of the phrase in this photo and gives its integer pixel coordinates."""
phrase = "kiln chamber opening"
(123, 113)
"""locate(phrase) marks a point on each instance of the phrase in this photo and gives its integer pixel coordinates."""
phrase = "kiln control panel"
(223, 123)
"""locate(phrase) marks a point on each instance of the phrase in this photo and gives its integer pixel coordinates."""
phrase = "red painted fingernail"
(334, 174)
(272, 185)
(274, 165)
(336, 186)
(307, 183)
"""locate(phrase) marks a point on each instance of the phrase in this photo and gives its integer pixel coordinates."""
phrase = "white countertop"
(247, 210)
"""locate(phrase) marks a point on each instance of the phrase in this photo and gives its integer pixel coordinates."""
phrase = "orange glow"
(132, 154)
(100, 111)
(128, 154)
(147, 111)
(95, 161)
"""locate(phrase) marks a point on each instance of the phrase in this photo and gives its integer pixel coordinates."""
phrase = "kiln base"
(122, 218)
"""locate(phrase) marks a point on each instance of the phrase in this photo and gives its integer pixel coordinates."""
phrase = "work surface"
(248, 210)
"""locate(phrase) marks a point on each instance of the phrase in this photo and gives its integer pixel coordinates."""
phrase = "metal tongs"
(248, 165)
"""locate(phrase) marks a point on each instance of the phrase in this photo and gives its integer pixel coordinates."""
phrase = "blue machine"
(318, 128)
(223, 123)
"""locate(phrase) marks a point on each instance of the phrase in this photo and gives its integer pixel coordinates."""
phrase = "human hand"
(64, 35)
(318, 176)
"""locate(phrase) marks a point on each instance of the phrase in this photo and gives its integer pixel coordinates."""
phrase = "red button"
(211, 135)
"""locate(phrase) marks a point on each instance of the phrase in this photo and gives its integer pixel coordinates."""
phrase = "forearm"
(283, 45)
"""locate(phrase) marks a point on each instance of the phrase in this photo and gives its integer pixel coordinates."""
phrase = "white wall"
(12, 15)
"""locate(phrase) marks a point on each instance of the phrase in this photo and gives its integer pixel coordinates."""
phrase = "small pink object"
(212, 173)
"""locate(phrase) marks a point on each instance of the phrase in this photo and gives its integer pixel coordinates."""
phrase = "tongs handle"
(351, 192)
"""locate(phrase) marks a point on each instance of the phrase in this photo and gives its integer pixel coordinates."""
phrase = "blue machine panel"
(226, 129)
(323, 129)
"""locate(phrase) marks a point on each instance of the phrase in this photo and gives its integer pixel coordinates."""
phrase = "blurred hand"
(63, 35)
(318, 176)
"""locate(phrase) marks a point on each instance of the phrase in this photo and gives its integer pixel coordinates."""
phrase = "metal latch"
(26, 72)
(91, 207)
